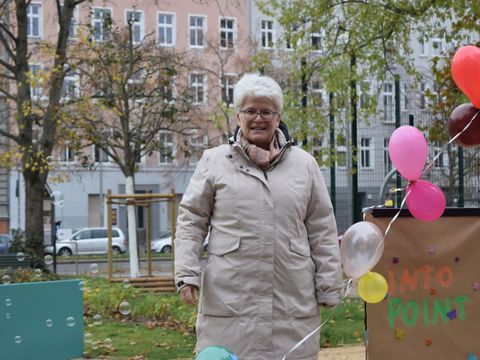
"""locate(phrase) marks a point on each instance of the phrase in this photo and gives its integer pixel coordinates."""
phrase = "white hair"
(256, 85)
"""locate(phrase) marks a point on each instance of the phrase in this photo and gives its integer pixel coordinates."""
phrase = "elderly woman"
(273, 250)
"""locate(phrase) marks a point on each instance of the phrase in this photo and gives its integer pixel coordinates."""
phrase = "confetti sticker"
(431, 250)
(452, 315)
(400, 334)
(476, 286)
(457, 259)
(433, 291)
(395, 260)
(472, 356)
(428, 342)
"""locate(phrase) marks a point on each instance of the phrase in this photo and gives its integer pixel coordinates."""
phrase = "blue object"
(216, 353)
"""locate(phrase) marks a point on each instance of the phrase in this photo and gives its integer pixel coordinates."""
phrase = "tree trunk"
(132, 230)
(34, 194)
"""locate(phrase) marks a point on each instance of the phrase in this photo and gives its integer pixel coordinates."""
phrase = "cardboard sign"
(432, 310)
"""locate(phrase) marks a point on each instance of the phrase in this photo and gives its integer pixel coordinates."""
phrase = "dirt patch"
(343, 353)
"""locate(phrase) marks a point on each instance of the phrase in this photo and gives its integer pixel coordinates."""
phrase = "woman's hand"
(189, 295)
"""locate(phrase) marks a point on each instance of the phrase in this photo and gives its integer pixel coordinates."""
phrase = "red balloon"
(460, 118)
(466, 72)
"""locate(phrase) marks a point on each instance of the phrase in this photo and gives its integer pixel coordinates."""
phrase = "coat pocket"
(222, 278)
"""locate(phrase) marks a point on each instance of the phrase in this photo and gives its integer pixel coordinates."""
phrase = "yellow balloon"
(372, 287)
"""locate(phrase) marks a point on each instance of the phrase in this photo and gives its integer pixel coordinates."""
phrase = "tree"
(129, 99)
(33, 100)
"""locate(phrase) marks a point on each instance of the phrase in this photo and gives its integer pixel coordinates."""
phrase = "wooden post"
(172, 201)
(148, 242)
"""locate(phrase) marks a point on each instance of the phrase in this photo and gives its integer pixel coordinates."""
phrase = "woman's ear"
(238, 118)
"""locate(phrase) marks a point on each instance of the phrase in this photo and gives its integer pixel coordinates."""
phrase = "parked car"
(164, 243)
(5, 242)
(90, 241)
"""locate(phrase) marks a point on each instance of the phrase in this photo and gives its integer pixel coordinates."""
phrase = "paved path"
(343, 353)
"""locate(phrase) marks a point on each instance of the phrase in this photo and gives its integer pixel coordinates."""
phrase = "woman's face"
(258, 120)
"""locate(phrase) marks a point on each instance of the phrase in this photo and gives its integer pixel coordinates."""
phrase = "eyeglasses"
(264, 114)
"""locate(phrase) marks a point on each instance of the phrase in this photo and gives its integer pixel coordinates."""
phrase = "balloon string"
(397, 214)
(346, 290)
(428, 168)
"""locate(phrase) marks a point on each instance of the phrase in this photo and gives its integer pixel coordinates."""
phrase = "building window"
(102, 24)
(35, 81)
(341, 152)
(67, 154)
(366, 151)
(423, 96)
(34, 20)
(228, 29)
(227, 86)
(267, 34)
(135, 18)
(100, 155)
(388, 107)
(365, 94)
(437, 47)
(317, 94)
(423, 46)
(197, 29)
(166, 29)
(387, 163)
(316, 41)
(166, 148)
(405, 99)
(70, 86)
(197, 88)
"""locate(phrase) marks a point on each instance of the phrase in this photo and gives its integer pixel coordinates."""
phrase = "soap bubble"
(48, 259)
(38, 272)
(6, 279)
(18, 339)
(81, 285)
(70, 321)
(20, 256)
(88, 338)
(126, 283)
(8, 302)
(108, 342)
(7, 316)
(97, 320)
(94, 268)
(49, 322)
(124, 308)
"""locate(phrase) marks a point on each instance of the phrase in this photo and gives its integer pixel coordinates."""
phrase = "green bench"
(13, 261)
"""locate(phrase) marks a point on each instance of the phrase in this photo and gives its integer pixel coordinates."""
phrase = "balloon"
(460, 118)
(408, 151)
(466, 72)
(361, 248)
(372, 287)
(425, 200)
(216, 353)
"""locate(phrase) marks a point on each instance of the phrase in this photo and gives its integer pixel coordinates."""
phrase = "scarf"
(260, 157)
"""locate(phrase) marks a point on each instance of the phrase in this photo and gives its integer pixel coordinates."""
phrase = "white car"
(90, 241)
(164, 243)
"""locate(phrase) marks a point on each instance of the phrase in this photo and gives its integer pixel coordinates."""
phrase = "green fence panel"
(41, 320)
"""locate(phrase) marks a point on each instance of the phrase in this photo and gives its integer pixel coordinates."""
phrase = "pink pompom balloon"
(425, 201)
(408, 151)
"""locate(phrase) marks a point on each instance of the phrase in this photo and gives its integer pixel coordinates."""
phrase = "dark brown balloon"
(460, 118)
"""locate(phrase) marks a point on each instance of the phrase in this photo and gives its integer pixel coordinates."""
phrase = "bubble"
(126, 283)
(94, 268)
(6, 279)
(97, 320)
(49, 322)
(8, 302)
(20, 256)
(38, 272)
(81, 285)
(18, 339)
(108, 342)
(7, 316)
(57, 198)
(88, 338)
(124, 308)
(48, 259)
(70, 321)
(94, 345)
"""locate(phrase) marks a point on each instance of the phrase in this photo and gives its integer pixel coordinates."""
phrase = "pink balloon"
(425, 201)
(408, 151)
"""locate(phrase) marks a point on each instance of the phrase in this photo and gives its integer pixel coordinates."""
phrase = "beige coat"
(273, 252)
